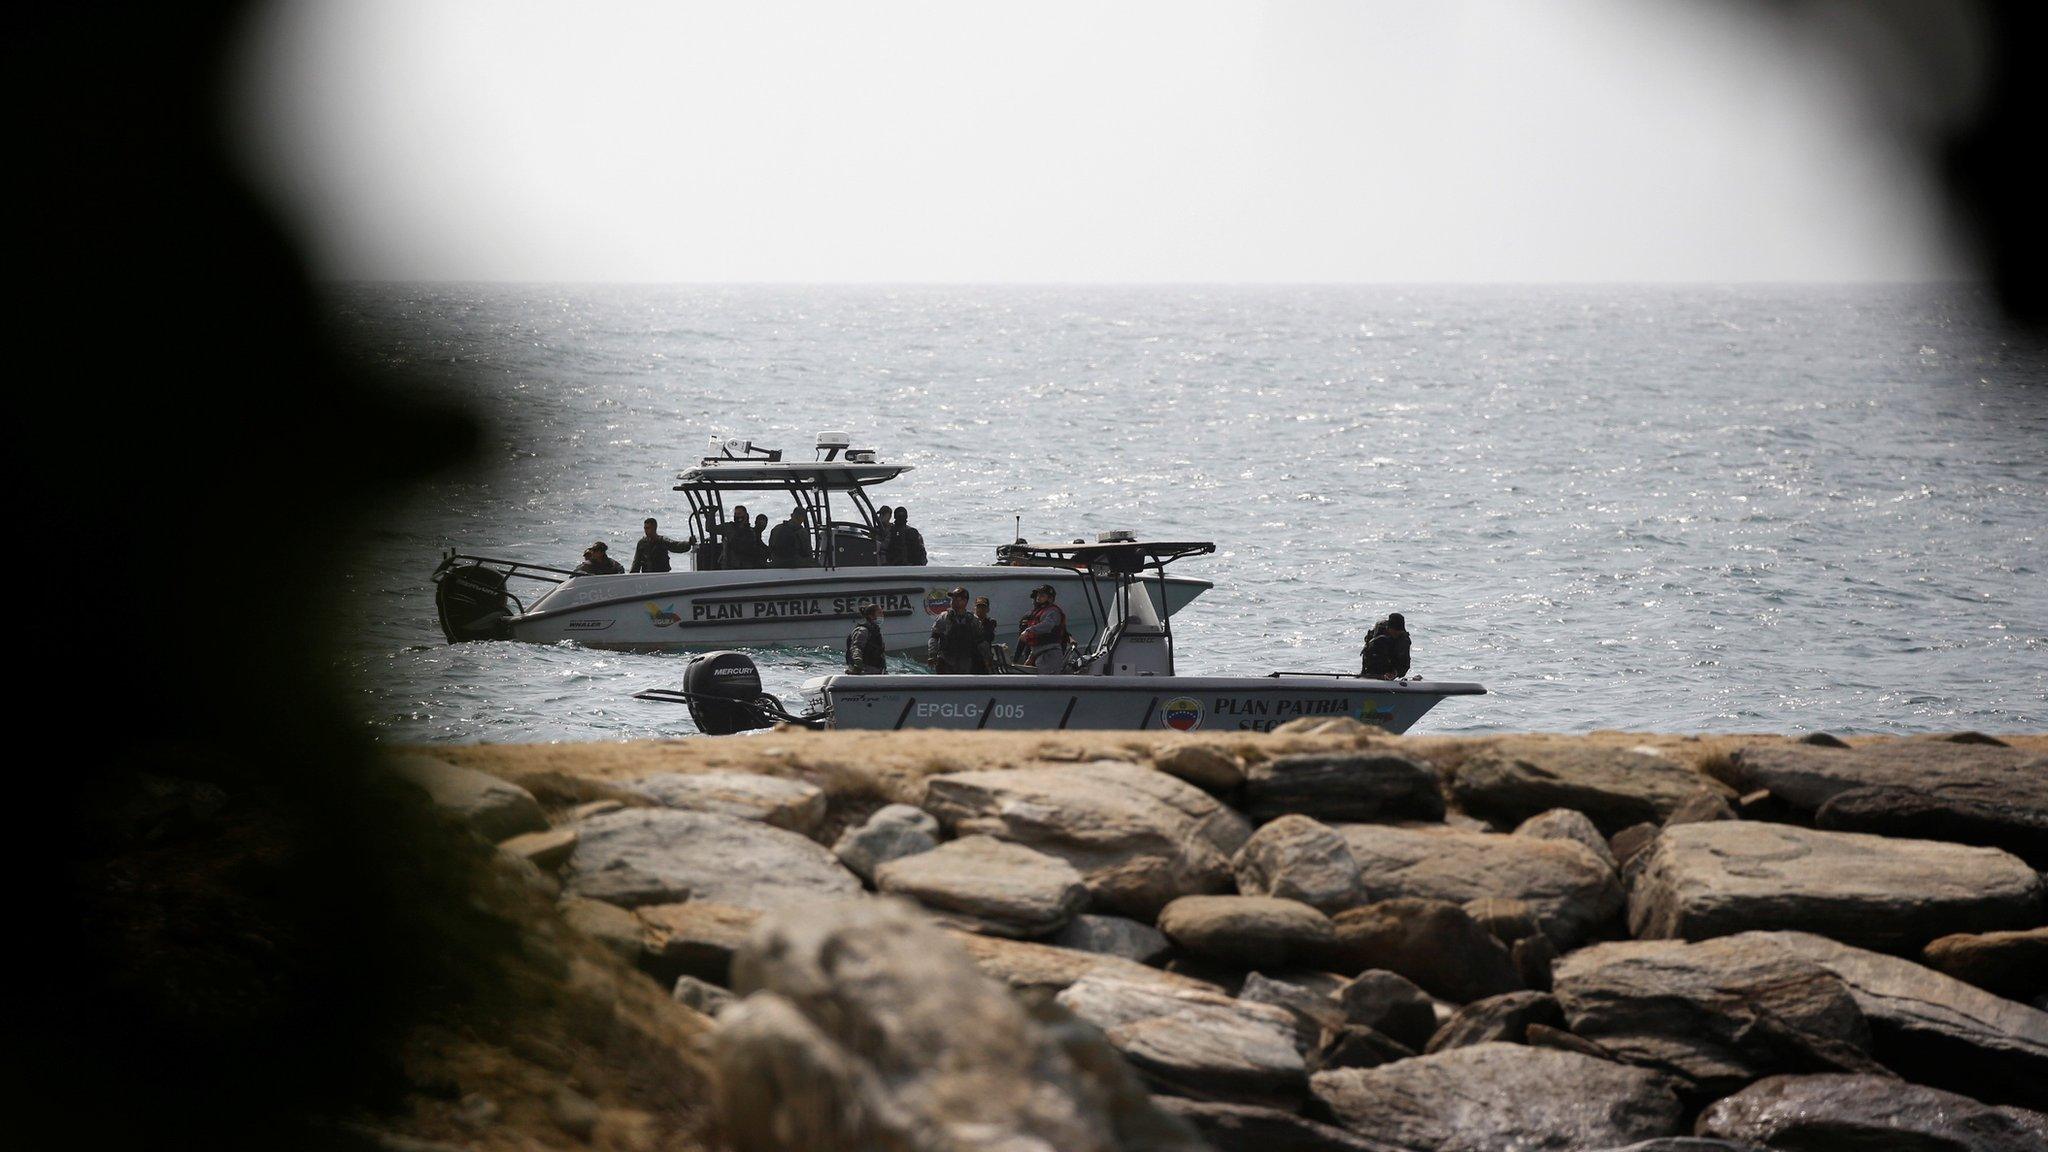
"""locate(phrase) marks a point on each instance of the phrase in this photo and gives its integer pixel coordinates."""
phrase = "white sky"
(1191, 141)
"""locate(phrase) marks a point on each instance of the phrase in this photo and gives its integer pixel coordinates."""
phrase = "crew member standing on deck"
(988, 630)
(738, 546)
(1042, 634)
(789, 546)
(883, 526)
(864, 655)
(956, 646)
(651, 553)
(906, 544)
(1386, 649)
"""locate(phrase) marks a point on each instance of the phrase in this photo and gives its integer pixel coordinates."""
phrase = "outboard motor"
(473, 604)
(715, 677)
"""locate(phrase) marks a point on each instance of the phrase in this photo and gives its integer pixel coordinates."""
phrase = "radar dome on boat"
(834, 440)
(1117, 537)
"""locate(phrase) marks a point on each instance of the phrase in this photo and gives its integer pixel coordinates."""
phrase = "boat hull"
(810, 608)
(1127, 703)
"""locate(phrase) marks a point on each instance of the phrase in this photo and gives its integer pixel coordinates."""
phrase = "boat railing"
(453, 564)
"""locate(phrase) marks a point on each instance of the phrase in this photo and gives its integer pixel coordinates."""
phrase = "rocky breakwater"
(1319, 939)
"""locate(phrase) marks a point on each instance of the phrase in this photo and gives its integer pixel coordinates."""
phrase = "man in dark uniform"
(988, 630)
(736, 544)
(883, 526)
(789, 546)
(1386, 649)
(711, 554)
(597, 561)
(651, 553)
(955, 645)
(864, 654)
(906, 544)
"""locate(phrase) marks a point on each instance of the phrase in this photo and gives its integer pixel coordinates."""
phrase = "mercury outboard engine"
(473, 604)
(716, 677)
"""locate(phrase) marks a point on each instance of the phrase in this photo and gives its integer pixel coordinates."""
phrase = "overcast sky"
(1190, 141)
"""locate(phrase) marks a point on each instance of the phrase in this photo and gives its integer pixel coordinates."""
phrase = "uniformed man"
(906, 544)
(652, 552)
(1386, 649)
(864, 654)
(711, 553)
(737, 546)
(789, 546)
(1042, 634)
(955, 646)
(597, 561)
(883, 526)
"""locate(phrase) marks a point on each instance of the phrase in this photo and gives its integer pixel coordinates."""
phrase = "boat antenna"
(1018, 532)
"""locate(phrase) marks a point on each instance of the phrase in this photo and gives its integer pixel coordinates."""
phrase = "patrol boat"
(479, 597)
(1122, 679)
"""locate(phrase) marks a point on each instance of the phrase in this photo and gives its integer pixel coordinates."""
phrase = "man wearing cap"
(597, 561)
(956, 647)
(1386, 649)
(864, 655)
(1042, 634)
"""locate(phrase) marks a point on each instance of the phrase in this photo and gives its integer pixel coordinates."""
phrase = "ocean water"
(1656, 508)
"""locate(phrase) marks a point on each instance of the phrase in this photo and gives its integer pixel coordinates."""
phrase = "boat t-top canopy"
(1112, 553)
(736, 466)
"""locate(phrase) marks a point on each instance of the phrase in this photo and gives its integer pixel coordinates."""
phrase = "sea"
(1656, 508)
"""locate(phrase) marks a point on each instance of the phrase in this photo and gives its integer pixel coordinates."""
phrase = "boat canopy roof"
(1112, 552)
(755, 475)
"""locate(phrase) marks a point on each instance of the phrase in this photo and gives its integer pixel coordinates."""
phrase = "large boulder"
(891, 833)
(1968, 793)
(2012, 964)
(1345, 786)
(723, 859)
(1852, 1113)
(493, 809)
(1113, 936)
(1935, 1029)
(1702, 880)
(1141, 838)
(790, 804)
(1297, 858)
(1250, 1128)
(1501, 1096)
(989, 885)
(863, 1026)
(1196, 1043)
(1571, 890)
(1431, 942)
(1514, 780)
(1717, 1014)
(1247, 931)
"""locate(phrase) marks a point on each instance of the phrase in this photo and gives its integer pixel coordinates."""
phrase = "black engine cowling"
(716, 677)
(473, 604)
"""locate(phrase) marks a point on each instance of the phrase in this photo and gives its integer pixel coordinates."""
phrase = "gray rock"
(1498, 1019)
(620, 931)
(1140, 837)
(1508, 920)
(1205, 766)
(1296, 858)
(893, 832)
(701, 995)
(1501, 1096)
(864, 1026)
(1247, 931)
(1391, 1004)
(1614, 787)
(788, 804)
(1936, 1030)
(723, 859)
(1629, 843)
(696, 939)
(2012, 964)
(493, 809)
(1828, 1112)
(1357, 1046)
(1044, 968)
(1565, 824)
(1968, 793)
(1348, 786)
(1571, 890)
(989, 885)
(1194, 1043)
(1313, 1012)
(1545, 1036)
(1248, 1128)
(1431, 942)
(1701, 880)
(1113, 936)
(1689, 1144)
(1701, 809)
(1717, 1014)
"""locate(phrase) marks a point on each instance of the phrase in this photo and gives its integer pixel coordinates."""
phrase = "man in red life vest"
(1042, 634)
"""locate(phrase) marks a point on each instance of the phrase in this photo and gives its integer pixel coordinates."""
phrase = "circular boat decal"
(1182, 713)
(937, 601)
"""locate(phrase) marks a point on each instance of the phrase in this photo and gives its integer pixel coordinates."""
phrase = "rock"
(1565, 824)
(1964, 737)
(1701, 880)
(697, 939)
(1247, 931)
(621, 932)
(864, 1026)
(493, 809)
(1112, 936)
(1629, 843)
(893, 832)
(1717, 1014)
(1297, 858)
(2011, 964)
(1545, 1036)
(1248, 1128)
(1357, 1046)
(1612, 786)
(788, 804)
(1030, 967)
(1349, 786)
(723, 859)
(1431, 942)
(989, 885)
(1821, 1113)
(1313, 1012)
(630, 887)
(1508, 920)
(1937, 1030)
(1503, 1019)
(1140, 837)
(1968, 793)
(1205, 766)
(1534, 957)
(547, 850)
(1491, 1097)
(1703, 808)
(1193, 1043)
(593, 808)
(701, 995)
(1823, 740)
(1688, 1144)
(1571, 890)
(1391, 1004)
